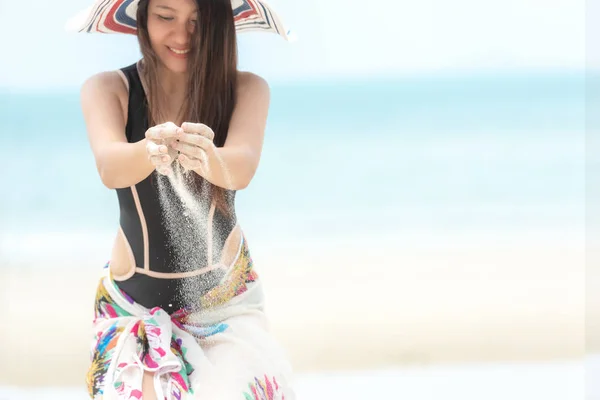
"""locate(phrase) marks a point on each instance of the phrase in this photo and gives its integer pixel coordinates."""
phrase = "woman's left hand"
(195, 146)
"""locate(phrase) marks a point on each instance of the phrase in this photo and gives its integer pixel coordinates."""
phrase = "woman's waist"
(200, 288)
(177, 255)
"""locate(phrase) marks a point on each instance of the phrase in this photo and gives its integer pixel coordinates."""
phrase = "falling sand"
(185, 201)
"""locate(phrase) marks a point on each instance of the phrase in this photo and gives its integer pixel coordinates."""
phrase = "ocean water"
(371, 157)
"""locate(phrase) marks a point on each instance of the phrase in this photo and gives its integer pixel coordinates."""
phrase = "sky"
(335, 40)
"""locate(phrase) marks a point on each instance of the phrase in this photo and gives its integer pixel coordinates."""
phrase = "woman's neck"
(172, 90)
(173, 85)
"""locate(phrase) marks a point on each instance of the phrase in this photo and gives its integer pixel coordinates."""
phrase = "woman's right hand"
(160, 153)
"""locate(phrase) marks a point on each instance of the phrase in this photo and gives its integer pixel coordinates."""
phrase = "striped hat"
(118, 16)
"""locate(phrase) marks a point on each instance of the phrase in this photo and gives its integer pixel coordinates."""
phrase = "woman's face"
(171, 24)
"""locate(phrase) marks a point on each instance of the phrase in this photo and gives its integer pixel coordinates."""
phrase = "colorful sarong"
(221, 352)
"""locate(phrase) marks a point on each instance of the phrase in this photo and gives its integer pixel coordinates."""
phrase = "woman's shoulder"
(107, 82)
(252, 83)
(106, 85)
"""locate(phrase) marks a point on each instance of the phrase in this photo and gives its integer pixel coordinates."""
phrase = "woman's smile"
(178, 53)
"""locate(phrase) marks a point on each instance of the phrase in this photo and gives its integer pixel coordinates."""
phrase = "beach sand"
(341, 305)
(558, 380)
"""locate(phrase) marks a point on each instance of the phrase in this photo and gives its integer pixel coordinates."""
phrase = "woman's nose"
(182, 35)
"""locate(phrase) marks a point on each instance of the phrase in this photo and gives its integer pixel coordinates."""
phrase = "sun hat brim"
(119, 16)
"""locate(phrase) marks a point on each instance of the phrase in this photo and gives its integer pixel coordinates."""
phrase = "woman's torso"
(166, 254)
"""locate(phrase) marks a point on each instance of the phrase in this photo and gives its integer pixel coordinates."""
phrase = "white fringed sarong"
(222, 352)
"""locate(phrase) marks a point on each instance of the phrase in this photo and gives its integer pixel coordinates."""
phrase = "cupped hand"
(159, 145)
(194, 146)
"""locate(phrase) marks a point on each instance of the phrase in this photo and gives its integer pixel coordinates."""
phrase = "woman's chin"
(175, 66)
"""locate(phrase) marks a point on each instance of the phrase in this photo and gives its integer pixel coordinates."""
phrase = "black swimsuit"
(161, 273)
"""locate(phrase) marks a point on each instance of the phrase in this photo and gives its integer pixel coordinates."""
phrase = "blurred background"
(418, 215)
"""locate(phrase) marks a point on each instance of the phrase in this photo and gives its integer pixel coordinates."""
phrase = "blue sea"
(368, 157)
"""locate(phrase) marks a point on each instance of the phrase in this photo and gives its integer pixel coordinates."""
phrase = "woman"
(179, 312)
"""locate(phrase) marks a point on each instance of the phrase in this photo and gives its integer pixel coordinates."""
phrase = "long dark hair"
(212, 73)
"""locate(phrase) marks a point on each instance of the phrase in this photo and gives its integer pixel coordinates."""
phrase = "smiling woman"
(176, 135)
(170, 31)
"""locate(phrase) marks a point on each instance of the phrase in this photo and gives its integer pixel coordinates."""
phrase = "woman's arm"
(233, 166)
(119, 163)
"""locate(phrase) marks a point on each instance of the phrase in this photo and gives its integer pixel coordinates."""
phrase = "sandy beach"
(558, 380)
(399, 301)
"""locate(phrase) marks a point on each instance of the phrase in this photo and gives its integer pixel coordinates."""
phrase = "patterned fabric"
(264, 389)
(223, 350)
(119, 16)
